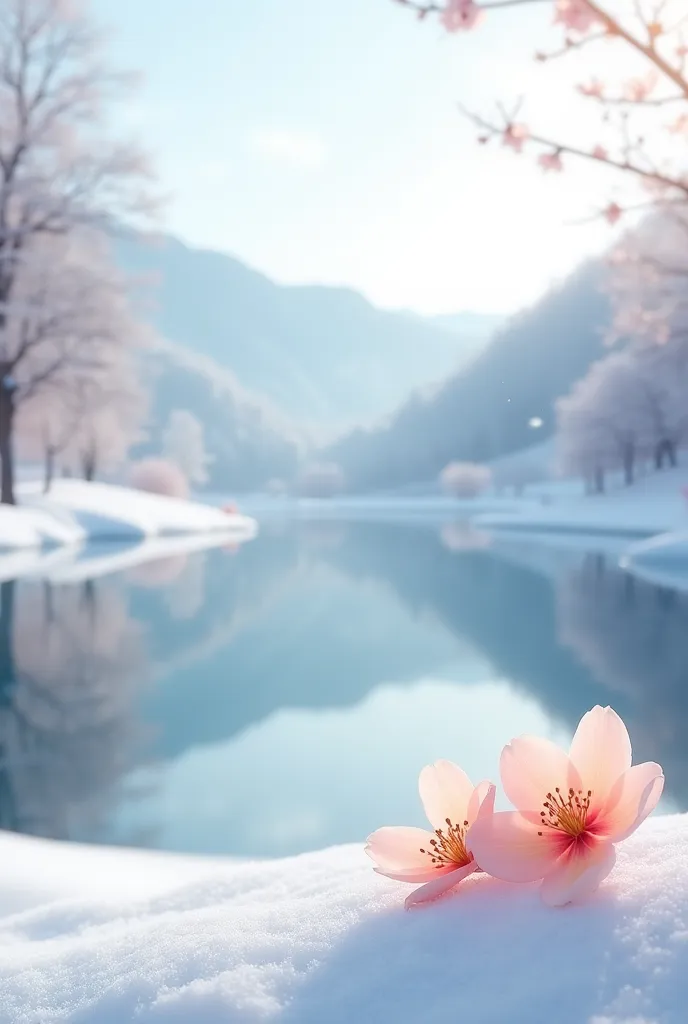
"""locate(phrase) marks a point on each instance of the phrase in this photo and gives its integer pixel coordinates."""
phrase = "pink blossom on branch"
(600, 153)
(550, 162)
(593, 88)
(638, 89)
(515, 135)
(460, 15)
(613, 213)
(571, 809)
(576, 15)
(442, 858)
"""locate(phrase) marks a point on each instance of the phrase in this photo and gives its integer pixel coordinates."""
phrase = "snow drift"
(96, 936)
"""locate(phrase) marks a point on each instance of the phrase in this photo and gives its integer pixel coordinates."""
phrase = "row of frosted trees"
(631, 410)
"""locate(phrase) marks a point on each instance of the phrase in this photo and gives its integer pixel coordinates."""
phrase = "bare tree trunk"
(665, 452)
(7, 675)
(7, 389)
(599, 481)
(49, 468)
(88, 466)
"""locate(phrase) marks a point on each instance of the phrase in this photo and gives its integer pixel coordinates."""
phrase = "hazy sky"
(319, 141)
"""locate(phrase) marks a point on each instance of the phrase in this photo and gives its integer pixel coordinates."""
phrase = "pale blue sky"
(319, 141)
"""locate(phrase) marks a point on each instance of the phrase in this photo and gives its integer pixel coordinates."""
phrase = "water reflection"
(284, 695)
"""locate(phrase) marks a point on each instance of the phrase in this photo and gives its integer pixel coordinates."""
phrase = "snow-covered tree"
(74, 340)
(159, 476)
(184, 444)
(600, 424)
(465, 479)
(630, 406)
(59, 167)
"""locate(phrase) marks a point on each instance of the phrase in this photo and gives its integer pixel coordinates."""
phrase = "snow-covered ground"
(74, 512)
(98, 936)
(655, 504)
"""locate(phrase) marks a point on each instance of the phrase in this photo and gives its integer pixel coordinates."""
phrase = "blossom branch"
(516, 136)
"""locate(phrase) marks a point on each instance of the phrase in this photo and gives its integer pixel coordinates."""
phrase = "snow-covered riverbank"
(75, 512)
(101, 936)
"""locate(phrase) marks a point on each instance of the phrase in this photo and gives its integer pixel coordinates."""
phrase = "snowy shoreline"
(91, 935)
(75, 512)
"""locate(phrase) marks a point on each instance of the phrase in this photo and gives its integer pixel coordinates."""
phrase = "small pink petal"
(397, 849)
(439, 885)
(414, 875)
(634, 796)
(445, 791)
(601, 751)
(508, 846)
(481, 802)
(578, 873)
(531, 768)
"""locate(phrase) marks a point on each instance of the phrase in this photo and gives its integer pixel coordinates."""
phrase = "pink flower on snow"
(461, 15)
(576, 15)
(571, 809)
(441, 858)
(550, 162)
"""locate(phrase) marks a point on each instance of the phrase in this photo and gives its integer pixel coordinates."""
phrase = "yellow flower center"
(449, 846)
(568, 814)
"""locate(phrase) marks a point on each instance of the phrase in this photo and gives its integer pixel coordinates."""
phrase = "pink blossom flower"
(638, 89)
(515, 135)
(550, 162)
(572, 809)
(440, 858)
(576, 15)
(461, 15)
(593, 88)
(600, 153)
(613, 213)
(680, 125)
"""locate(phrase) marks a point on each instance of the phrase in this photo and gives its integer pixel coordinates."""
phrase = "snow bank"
(654, 504)
(662, 560)
(29, 528)
(101, 560)
(94, 936)
(75, 511)
(630, 516)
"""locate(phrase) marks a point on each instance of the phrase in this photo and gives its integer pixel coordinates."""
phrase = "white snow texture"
(96, 936)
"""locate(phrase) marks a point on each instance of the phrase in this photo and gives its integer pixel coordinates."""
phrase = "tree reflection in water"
(72, 662)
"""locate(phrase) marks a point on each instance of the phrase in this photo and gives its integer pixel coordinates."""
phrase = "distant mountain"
(476, 326)
(483, 411)
(249, 442)
(323, 356)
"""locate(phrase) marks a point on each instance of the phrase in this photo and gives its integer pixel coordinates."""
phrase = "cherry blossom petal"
(578, 873)
(508, 846)
(601, 751)
(634, 796)
(482, 801)
(439, 885)
(415, 875)
(397, 849)
(531, 768)
(445, 791)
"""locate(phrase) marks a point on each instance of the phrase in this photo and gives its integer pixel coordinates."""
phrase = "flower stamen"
(449, 848)
(566, 815)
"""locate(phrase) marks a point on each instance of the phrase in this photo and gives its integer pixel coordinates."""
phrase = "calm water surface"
(283, 696)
